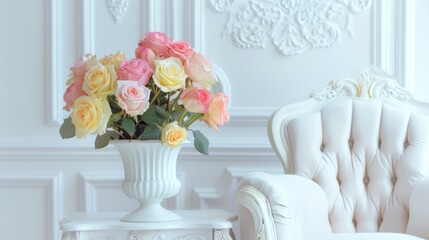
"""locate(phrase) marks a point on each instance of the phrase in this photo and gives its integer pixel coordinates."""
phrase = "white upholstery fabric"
(365, 236)
(419, 210)
(366, 156)
(295, 202)
(365, 143)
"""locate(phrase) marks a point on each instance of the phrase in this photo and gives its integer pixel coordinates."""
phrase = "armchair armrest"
(281, 207)
(418, 223)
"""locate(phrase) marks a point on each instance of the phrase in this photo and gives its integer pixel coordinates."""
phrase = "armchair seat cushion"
(365, 236)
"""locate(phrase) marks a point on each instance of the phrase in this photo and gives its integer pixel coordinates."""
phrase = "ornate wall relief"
(117, 9)
(289, 24)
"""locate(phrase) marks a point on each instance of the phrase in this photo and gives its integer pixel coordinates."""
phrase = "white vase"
(150, 176)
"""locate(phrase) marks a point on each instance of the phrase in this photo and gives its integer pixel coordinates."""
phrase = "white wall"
(44, 178)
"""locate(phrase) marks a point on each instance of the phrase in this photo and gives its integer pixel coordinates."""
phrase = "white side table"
(195, 225)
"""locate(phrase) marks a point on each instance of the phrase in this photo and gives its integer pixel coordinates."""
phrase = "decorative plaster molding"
(70, 236)
(371, 83)
(290, 24)
(117, 9)
(190, 237)
(146, 235)
(222, 234)
(52, 184)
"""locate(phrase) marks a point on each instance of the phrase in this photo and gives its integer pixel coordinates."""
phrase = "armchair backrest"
(365, 141)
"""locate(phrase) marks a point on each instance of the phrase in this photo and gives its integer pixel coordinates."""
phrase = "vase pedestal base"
(151, 212)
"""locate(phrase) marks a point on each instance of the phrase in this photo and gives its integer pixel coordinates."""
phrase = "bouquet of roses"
(158, 95)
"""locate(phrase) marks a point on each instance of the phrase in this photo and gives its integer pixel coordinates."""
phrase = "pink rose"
(145, 54)
(181, 50)
(132, 97)
(196, 100)
(79, 68)
(72, 92)
(158, 42)
(135, 69)
(217, 114)
(200, 71)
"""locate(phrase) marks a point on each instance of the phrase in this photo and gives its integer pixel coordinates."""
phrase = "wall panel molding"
(90, 181)
(393, 39)
(53, 61)
(216, 197)
(52, 183)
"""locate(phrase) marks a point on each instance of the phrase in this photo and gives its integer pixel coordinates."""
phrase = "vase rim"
(128, 141)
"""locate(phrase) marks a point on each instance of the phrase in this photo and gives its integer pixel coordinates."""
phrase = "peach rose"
(200, 71)
(145, 54)
(173, 135)
(169, 74)
(218, 113)
(158, 42)
(135, 69)
(90, 114)
(72, 92)
(196, 100)
(181, 50)
(132, 97)
(100, 80)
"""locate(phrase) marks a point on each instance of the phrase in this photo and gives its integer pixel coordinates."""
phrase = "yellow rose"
(113, 59)
(173, 135)
(90, 114)
(100, 80)
(169, 74)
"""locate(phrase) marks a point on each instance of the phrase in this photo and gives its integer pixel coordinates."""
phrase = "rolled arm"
(281, 207)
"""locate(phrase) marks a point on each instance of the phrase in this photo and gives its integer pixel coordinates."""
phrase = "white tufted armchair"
(356, 157)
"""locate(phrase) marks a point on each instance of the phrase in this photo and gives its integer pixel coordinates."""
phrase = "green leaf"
(201, 143)
(115, 117)
(113, 103)
(102, 140)
(162, 112)
(151, 132)
(129, 126)
(153, 116)
(67, 129)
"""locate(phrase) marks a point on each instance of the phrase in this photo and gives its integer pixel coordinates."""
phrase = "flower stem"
(157, 92)
(193, 119)
(175, 101)
(182, 116)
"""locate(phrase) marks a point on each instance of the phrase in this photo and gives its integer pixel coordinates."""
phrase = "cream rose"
(90, 114)
(169, 74)
(173, 135)
(113, 59)
(100, 80)
(200, 71)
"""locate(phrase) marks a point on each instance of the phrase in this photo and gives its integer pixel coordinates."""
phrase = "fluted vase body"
(150, 177)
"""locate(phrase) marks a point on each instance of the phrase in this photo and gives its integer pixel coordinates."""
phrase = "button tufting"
(366, 180)
(406, 144)
(322, 147)
(354, 222)
(380, 220)
(394, 179)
